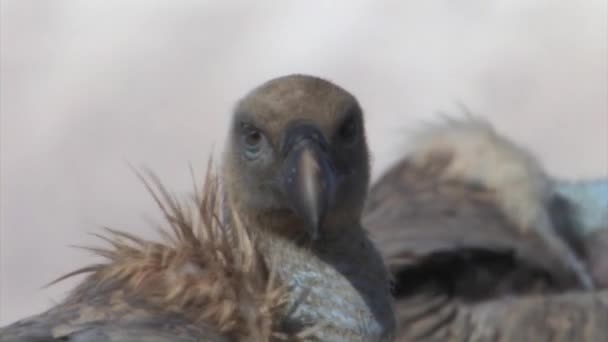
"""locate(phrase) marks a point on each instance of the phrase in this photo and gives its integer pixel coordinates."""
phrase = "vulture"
(484, 245)
(272, 249)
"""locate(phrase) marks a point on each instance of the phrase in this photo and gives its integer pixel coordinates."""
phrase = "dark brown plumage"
(462, 221)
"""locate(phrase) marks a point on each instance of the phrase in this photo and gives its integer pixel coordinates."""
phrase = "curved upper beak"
(308, 175)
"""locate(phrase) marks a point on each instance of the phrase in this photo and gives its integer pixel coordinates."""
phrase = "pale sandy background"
(89, 85)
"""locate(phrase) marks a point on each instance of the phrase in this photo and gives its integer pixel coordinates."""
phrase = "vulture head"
(297, 153)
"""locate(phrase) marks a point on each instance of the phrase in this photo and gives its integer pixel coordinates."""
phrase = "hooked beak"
(308, 175)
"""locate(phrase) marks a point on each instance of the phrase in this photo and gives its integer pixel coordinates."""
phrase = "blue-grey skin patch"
(309, 286)
(591, 201)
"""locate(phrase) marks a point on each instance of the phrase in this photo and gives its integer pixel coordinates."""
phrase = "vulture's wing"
(205, 282)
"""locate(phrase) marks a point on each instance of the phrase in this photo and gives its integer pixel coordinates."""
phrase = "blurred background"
(90, 86)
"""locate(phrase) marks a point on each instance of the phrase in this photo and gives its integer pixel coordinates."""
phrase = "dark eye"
(349, 130)
(252, 140)
(252, 137)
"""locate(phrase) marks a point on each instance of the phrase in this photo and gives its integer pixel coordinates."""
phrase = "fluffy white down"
(484, 157)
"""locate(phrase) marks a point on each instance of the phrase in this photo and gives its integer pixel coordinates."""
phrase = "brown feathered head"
(297, 151)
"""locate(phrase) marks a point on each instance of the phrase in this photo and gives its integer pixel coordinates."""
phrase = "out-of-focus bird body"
(467, 222)
(473, 153)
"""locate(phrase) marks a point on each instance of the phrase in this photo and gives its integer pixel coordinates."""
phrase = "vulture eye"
(252, 140)
(349, 130)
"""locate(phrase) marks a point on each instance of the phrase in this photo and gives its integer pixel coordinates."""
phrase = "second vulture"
(485, 246)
